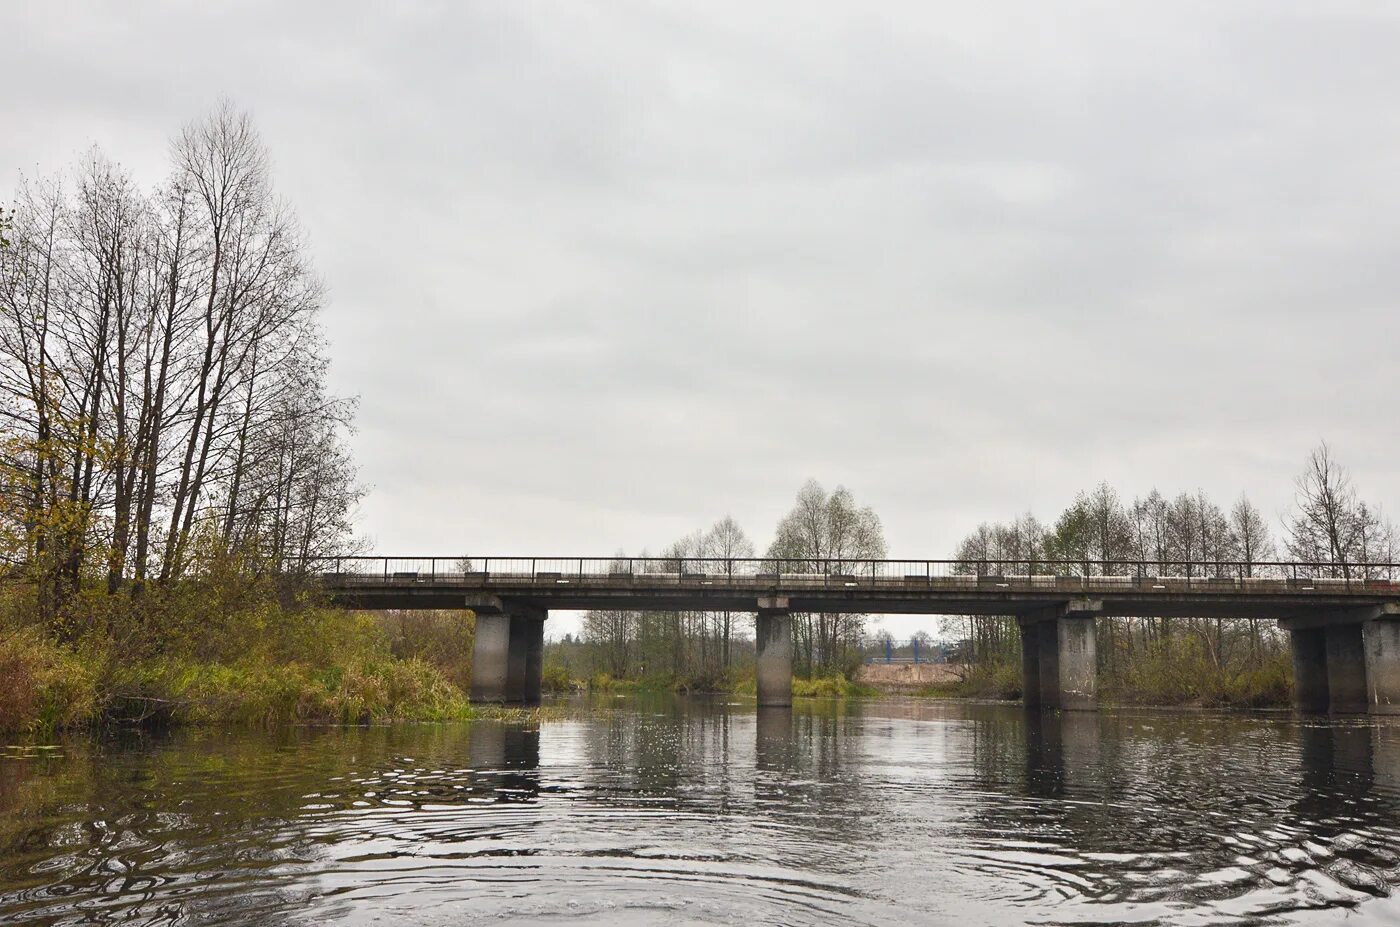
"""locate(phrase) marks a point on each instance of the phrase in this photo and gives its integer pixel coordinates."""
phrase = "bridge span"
(1343, 619)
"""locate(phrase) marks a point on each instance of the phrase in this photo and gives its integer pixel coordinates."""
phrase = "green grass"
(830, 687)
(186, 658)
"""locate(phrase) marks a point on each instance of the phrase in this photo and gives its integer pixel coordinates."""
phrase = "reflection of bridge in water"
(1343, 619)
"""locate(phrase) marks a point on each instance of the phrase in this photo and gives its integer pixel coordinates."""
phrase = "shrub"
(555, 678)
(45, 685)
(833, 686)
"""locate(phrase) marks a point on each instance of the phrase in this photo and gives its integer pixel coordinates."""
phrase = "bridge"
(1343, 619)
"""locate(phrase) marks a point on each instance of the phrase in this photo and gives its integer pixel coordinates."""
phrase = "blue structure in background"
(914, 650)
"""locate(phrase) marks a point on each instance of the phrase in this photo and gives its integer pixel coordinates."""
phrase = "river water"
(694, 811)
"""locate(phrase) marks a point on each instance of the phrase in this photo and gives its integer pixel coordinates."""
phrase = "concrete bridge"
(1343, 619)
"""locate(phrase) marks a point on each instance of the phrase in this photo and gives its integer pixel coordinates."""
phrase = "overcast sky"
(601, 274)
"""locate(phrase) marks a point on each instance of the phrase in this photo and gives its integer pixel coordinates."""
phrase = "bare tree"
(1250, 535)
(827, 532)
(1331, 526)
(162, 376)
(726, 540)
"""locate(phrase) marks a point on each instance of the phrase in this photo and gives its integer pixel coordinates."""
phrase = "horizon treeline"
(1168, 660)
(163, 387)
(707, 647)
(1331, 527)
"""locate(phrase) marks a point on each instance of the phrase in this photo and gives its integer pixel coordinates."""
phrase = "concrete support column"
(507, 655)
(1079, 663)
(773, 641)
(535, 660)
(1346, 669)
(1309, 669)
(525, 667)
(490, 657)
(1030, 665)
(1382, 645)
(1048, 648)
(1067, 650)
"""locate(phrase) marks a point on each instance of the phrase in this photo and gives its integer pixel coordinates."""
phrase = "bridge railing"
(1155, 575)
(908, 650)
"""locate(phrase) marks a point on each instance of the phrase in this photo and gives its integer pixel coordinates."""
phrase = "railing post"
(916, 650)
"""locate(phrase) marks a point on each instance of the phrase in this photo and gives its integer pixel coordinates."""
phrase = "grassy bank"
(224, 651)
(1179, 678)
(738, 683)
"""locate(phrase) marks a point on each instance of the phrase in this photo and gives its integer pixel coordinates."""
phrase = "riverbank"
(47, 685)
(740, 683)
(1163, 681)
(225, 649)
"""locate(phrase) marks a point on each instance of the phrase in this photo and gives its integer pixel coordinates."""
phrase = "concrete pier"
(491, 657)
(1310, 669)
(1381, 640)
(1030, 665)
(508, 652)
(1048, 656)
(1059, 658)
(773, 642)
(1347, 661)
(1346, 670)
(1079, 663)
(526, 659)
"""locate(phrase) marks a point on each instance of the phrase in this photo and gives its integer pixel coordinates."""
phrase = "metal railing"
(1151, 575)
(912, 650)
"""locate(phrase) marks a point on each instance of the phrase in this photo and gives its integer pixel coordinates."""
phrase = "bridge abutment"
(773, 643)
(1059, 657)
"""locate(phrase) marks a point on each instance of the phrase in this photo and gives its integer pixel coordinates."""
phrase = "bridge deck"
(993, 594)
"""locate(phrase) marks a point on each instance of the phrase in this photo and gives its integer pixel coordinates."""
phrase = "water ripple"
(706, 813)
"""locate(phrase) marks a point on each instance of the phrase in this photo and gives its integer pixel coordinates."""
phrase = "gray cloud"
(603, 273)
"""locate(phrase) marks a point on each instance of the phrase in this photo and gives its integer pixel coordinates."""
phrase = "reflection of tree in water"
(139, 826)
(1122, 808)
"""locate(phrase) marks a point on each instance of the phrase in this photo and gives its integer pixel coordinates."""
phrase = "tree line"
(1330, 532)
(1330, 528)
(163, 388)
(705, 648)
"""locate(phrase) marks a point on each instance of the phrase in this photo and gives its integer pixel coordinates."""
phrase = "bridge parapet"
(881, 586)
(835, 571)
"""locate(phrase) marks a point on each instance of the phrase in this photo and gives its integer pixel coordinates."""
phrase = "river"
(641, 810)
